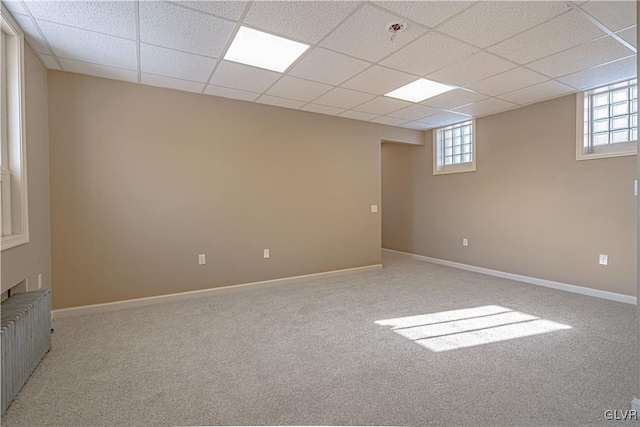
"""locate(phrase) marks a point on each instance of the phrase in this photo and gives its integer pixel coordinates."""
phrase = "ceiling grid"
(497, 55)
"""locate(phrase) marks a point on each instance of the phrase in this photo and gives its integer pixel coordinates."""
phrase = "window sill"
(461, 168)
(625, 149)
(7, 242)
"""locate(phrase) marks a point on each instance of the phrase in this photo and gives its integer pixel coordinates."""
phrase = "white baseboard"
(139, 302)
(628, 299)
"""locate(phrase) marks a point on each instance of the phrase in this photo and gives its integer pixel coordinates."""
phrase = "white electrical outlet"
(266, 253)
(604, 259)
(465, 242)
(202, 260)
(39, 281)
(374, 208)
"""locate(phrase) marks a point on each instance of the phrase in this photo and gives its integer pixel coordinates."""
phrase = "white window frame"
(14, 173)
(584, 149)
(439, 168)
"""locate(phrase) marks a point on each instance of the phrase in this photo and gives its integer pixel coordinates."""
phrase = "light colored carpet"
(312, 353)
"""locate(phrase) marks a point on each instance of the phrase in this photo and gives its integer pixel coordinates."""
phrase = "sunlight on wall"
(451, 330)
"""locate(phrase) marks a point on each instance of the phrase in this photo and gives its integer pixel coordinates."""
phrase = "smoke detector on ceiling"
(396, 27)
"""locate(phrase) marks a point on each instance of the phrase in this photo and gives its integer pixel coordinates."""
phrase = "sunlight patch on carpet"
(470, 327)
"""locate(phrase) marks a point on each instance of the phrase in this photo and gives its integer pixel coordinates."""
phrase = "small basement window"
(14, 224)
(454, 148)
(608, 121)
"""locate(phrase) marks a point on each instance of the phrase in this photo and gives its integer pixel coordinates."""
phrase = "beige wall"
(144, 179)
(33, 258)
(530, 208)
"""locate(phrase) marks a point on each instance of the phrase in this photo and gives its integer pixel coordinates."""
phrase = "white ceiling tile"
(298, 89)
(476, 67)
(630, 35)
(382, 105)
(565, 31)
(587, 55)
(33, 35)
(116, 18)
(243, 77)
(324, 66)
(357, 115)
(615, 15)
(416, 126)
(414, 112)
(445, 118)
(99, 70)
(49, 61)
(608, 73)
(279, 102)
(168, 82)
(165, 24)
(322, 109)
(429, 13)
(15, 7)
(507, 81)
(453, 99)
(487, 23)
(539, 92)
(442, 51)
(389, 121)
(83, 45)
(173, 63)
(307, 21)
(379, 80)
(231, 93)
(486, 107)
(364, 35)
(226, 9)
(343, 98)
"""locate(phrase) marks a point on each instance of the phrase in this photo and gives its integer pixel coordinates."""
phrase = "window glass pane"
(601, 112)
(634, 134)
(634, 106)
(456, 149)
(447, 160)
(634, 92)
(619, 96)
(448, 151)
(466, 158)
(600, 139)
(448, 142)
(599, 100)
(619, 136)
(601, 126)
(620, 108)
(620, 123)
(634, 120)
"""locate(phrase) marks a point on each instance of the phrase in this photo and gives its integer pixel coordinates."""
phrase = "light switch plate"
(465, 242)
(202, 259)
(266, 253)
(374, 208)
(604, 259)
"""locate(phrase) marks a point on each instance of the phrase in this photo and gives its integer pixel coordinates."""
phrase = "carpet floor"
(410, 344)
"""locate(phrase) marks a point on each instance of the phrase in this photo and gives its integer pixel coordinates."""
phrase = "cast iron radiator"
(25, 338)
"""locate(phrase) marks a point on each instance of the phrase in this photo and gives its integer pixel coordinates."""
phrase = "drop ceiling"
(499, 55)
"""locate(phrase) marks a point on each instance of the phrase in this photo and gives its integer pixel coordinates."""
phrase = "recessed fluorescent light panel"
(264, 50)
(419, 90)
